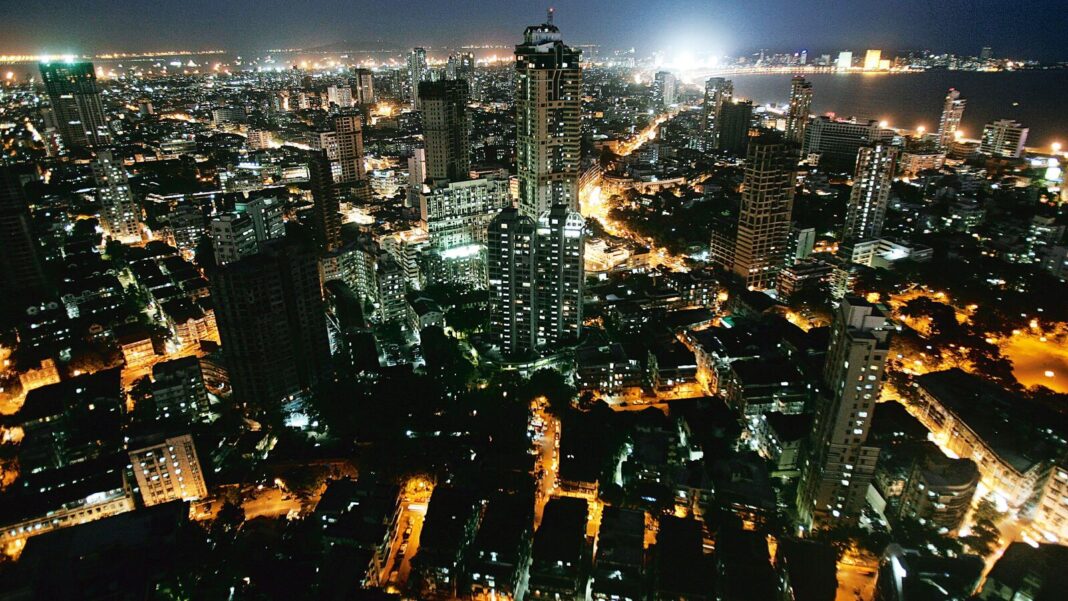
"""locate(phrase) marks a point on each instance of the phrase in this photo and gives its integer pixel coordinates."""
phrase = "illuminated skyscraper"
(871, 192)
(559, 276)
(764, 217)
(952, 113)
(75, 96)
(839, 467)
(665, 87)
(800, 108)
(511, 281)
(445, 129)
(417, 72)
(536, 277)
(718, 91)
(548, 120)
(119, 212)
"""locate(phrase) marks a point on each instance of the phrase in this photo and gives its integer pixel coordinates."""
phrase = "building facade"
(75, 96)
(839, 466)
(760, 247)
(548, 103)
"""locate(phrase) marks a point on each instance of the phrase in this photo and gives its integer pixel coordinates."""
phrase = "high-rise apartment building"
(837, 141)
(326, 209)
(536, 276)
(718, 92)
(665, 88)
(763, 235)
(233, 237)
(732, 127)
(511, 279)
(949, 123)
(839, 467)
(119, 212)
(1003, 138)
(465, 70)
(339, 96)
(416, 175)
(178, 389)
(267, 216)
(799, 110)
(239, 234)
(456, 216)
(272, 324)
(21, 270)
(548, 120)
(258, 139)
(445, 129)
(168, 470)
(870, 195)
(363, 84)
(75, 96)
(348, 134)
(417, 72)
(559, 276)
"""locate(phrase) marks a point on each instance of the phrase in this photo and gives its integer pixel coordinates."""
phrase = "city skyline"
(563, 324)
(676, 27)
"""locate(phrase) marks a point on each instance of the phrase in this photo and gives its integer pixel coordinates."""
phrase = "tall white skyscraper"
(548, 120)
(665, 88)
(120, 214)
(839, 467)
(949, 123)
(874, 175)
(417, 72)
(800, 108)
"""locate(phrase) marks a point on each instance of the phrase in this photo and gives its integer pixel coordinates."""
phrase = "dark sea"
(1037, 99)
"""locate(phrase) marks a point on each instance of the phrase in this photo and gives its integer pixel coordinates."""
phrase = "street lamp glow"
(1056, 147)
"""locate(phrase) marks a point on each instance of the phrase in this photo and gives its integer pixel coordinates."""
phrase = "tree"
(984, 535)
(550, 384)
(445, 360)
(228, 520)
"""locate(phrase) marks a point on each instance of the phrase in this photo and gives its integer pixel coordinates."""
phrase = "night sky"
(1033, 29)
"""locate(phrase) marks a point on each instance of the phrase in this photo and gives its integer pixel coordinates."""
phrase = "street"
(852, 579)
(414, 502)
